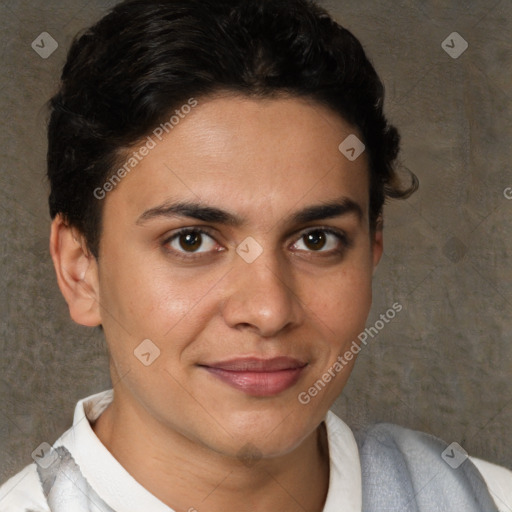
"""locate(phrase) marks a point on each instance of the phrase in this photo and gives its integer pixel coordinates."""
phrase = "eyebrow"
(328, 210)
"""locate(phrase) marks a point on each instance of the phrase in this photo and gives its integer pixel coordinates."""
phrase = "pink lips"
(258, 377)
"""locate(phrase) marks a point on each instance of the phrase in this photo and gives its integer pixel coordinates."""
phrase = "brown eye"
(190, 242)
(325, 241)
(315, 240)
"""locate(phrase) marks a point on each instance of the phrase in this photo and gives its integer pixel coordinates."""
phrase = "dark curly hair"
(144, 59)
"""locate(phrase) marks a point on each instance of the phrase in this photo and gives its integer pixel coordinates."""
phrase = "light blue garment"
(403, 471)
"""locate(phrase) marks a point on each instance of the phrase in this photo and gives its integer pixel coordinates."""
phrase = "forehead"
(251, 155)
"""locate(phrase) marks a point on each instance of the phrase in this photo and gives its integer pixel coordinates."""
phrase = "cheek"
(143, 299)
(341, 316)
(140, 291)
(344, 300)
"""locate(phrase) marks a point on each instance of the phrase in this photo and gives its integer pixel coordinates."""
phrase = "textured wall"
(442, 365)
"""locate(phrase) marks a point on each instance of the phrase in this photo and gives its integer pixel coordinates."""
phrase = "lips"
(258, 377)
(253, 364)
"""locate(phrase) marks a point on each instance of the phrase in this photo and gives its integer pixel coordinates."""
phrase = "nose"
(261, 297)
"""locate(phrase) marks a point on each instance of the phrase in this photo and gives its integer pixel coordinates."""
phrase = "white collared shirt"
(121, 492)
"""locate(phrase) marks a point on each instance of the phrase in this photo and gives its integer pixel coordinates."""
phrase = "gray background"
(443, 365)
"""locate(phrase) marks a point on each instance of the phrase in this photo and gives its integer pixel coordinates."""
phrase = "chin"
(264, 435)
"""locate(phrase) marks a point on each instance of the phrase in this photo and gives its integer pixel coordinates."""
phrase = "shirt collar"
(345, 487)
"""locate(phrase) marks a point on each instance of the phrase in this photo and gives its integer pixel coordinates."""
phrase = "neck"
(187, 476)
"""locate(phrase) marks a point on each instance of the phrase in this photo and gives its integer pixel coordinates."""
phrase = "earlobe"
(77, 272)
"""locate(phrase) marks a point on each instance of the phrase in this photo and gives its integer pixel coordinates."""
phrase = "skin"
(177, 429)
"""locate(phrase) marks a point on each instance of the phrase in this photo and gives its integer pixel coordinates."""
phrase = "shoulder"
(498, 480)
(23, 492)
(423, 468)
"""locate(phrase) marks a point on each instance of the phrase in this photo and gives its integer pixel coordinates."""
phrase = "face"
(240, 246)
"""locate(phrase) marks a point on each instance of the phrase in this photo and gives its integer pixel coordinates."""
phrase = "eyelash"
(185, 231)
(340, 235)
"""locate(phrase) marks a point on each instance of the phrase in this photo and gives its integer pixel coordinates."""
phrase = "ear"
(77, 273)
(377, 243)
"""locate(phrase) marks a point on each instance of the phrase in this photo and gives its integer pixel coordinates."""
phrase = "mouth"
(258, 377)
